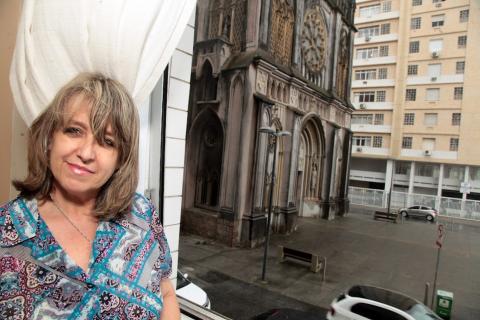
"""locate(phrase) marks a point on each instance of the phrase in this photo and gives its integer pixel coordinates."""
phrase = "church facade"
(281, 64)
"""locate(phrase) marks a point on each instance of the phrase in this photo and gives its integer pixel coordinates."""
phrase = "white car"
(367, 302)
(191, 292)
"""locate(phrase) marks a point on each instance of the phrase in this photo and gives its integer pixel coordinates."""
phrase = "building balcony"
(434, 154)
(378, 17)
(388, 105)
(374, 61)
(371, 128)
(373, 83)
(442, 79)
(371, 176)
(376, 39)
(365, 150)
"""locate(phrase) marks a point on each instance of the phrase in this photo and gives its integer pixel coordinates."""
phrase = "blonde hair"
(111, 105)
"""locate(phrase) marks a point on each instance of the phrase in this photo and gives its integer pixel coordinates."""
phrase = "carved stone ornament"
(293, 96)
(314, 40)
(262, 82)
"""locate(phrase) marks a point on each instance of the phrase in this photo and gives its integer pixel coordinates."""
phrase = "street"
(359, 250)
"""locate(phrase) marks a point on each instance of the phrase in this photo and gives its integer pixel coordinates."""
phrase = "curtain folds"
(128, 40)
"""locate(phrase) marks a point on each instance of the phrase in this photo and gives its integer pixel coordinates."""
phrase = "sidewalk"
(358, 249)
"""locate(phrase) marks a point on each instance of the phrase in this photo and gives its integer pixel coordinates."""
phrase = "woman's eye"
(72, 130)
(110, 142)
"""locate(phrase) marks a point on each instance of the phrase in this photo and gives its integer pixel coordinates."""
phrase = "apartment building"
(415, 86)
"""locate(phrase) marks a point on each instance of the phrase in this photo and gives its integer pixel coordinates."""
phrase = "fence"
(449, 207)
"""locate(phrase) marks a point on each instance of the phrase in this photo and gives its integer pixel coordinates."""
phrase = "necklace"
(70, 221)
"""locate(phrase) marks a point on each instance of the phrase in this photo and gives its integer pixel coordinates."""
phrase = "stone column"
(438, 201)
(411, 184)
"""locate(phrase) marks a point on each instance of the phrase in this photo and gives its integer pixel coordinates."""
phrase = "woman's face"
(79, 164)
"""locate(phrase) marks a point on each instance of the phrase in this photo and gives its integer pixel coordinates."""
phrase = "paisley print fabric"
(130, 257)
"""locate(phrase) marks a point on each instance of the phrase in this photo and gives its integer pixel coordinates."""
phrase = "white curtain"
(128, 40)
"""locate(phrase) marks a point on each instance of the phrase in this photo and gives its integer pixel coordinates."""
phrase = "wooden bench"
(392, 216)
(316, 262)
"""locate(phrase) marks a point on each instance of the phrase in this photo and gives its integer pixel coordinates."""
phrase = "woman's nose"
(86, 149)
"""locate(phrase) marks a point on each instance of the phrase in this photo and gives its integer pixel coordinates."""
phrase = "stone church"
(283, 64)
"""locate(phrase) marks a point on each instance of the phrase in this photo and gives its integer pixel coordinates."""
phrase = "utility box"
(444, 304)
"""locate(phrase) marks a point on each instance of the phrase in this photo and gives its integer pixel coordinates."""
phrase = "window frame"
(456, 118)
(409, 119)
(407, 142)
(463, 15)
(429, 92)
(462, 42)
(460, 70)
(458, 93)
(414, 46)
(377, 142)
(415, 23)
(430, 119)
(411, 94)
(412, 70)
(438, 20)
(454, 142)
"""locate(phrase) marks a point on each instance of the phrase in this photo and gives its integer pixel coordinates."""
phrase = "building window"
(462, 42)
(437, 1)
(362, 119)
(460, 67)
(368, 74)
(402, 167)
(438, 20)
(430, 119)
(433, 94)
(424, 170)
(377, 141)
(414, 47)
(383, 51)
(454, 172)
(385, 28)
(415, 23)
(407, 142)
(365, 96)
(409, 119)
(379, 117)
(381, 96)
(412, 70)
(387, 6)
(367, 53)
(456, 117)
(453, 144)
(368, 32)
(458, 93)
(434, 70)
(464, 15)
(382, 73)
(362, 141)
(435, 45)
(411, 94)
(369, 11)
(416, 3)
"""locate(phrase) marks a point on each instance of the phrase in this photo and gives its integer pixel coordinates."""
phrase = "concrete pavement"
(359, 250)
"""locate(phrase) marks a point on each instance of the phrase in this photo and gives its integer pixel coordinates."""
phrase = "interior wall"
(9, 16)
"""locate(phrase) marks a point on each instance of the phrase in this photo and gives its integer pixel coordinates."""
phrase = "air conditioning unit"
(427, 152)
(435, 54)
(359, 149)
(363, 106)
(365, 81)
(433, 79)
(367, 38)
(438, 5)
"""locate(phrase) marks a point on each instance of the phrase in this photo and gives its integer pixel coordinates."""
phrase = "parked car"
(191, 292)
(425, 212)
(368, 302)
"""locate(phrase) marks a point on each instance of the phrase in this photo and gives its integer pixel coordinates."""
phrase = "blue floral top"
(39, 280)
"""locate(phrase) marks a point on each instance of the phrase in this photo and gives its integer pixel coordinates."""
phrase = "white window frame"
(414, 46)
(462, 42)
(380, 96)
(460, 67)
(367, 53)
(369, 31)
(458, 93)
(434, 69)
(364, 96)
(379, 119)
(456, 118)
(435, 45)
(362, 118)
(377, 141)
(407, 142)
(362, 141)
(369, 11)
(432, 94)
(366, 74)
(438, 20)
(463, 15)
(412, 69)
(430, 119)
(415, 23)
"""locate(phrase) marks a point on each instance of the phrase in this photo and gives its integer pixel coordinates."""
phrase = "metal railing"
(448, 207)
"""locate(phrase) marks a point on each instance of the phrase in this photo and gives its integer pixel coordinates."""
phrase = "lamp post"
(276, 134)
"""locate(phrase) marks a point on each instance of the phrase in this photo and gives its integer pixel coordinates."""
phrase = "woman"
(78, 243)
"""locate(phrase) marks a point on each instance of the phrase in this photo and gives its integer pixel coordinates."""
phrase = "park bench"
(391, 216)
(315, 262)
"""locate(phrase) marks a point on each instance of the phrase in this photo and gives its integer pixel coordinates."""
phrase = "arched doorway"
(309, 169)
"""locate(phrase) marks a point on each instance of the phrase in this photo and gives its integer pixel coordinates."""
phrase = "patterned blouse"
(38, 280)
